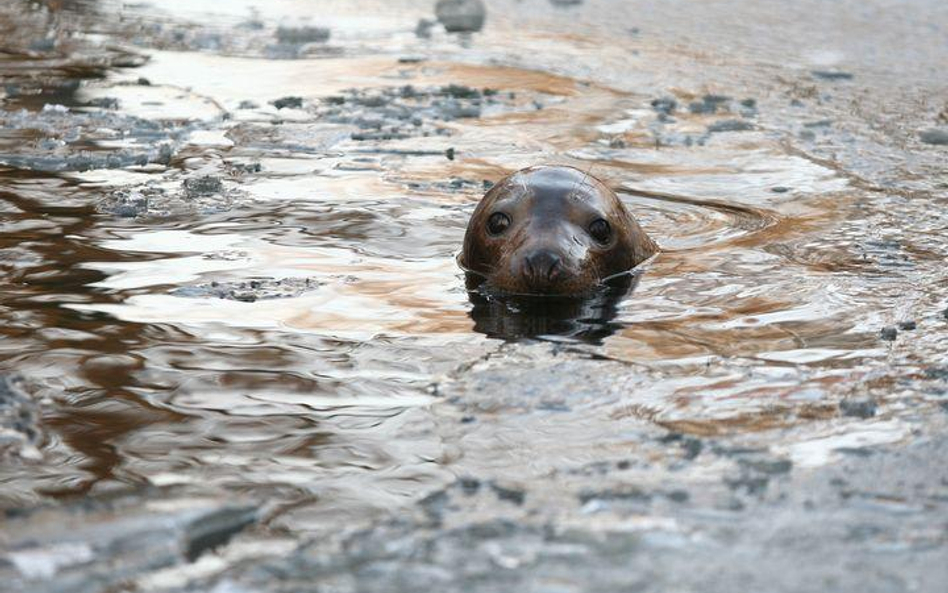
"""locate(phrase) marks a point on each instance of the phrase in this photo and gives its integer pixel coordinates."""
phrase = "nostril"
(555, 269)
(544, 265)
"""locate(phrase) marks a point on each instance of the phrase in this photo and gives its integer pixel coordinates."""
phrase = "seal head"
(552, 230)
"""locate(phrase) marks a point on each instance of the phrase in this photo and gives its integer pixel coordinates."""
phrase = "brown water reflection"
(753, 318)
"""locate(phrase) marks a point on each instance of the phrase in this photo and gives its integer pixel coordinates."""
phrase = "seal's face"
(552, 230)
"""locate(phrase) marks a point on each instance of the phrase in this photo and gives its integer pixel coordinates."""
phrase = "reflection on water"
(161, 366)
(587, 319)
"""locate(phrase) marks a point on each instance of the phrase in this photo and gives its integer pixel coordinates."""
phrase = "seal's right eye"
(497, 223)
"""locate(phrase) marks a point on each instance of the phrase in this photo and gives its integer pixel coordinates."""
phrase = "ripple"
(683, 223)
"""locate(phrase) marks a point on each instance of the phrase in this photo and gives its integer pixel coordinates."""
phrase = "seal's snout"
(542, 267)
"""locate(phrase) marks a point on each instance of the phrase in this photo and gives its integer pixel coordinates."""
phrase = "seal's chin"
(564, 285)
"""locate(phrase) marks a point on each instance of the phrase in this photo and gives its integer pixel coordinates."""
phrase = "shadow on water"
(41, 272)
(587, 319)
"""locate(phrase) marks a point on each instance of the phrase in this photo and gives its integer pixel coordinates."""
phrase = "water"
(372, 377)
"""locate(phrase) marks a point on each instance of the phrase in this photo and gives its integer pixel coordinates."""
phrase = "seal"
(551, 230)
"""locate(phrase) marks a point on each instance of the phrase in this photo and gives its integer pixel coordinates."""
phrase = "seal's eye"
(497, 223)
(600, 231)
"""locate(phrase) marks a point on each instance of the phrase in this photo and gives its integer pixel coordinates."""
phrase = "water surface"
(164, 360)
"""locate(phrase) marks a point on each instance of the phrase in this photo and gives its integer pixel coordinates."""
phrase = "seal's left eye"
(600, 231)
(497, 223)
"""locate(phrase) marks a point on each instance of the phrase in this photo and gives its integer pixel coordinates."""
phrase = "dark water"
(168, 352)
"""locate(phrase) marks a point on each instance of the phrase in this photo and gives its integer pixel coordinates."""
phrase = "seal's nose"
(542, 266)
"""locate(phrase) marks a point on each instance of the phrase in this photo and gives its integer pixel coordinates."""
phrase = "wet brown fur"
(551, 208)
